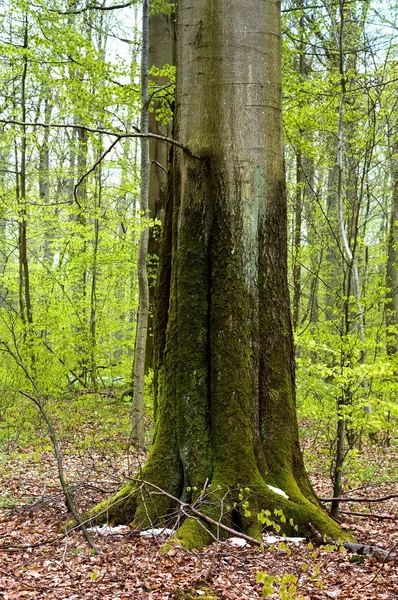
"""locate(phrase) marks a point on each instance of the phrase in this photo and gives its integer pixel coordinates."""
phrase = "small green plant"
(268, 520)
(285, 585)
(8, 501)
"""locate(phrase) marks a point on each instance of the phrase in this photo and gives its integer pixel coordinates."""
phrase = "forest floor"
(38, 561)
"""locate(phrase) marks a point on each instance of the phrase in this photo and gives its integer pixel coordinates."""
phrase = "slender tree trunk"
(338, 460)
(25, 302)
(391, 312)
(392, 258)
(161, 52)
(94, 274)
(346, 28)
(138, 430)
(78, 196)
(298, 212)
(297, 240)
(101, 40)
(44, 175)
(312, 237)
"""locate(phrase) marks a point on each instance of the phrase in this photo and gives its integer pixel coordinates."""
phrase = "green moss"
(192, 317)
(305, 513)
(356, 559)
(191, 534)
(192, 594)
(232, 348)
(118, 509)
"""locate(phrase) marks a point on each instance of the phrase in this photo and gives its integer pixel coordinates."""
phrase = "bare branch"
(369, 515)
(188, 510)
(387, 557)
(95, 165)
(382, 499)
(155, 162)
(118, 133)
(94, 6)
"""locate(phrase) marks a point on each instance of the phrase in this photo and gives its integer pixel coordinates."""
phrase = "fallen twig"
(382, 499)
(386, 558)
(33, 587)
(188, 508)
(369, 515)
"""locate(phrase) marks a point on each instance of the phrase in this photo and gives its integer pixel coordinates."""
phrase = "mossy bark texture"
(226, 415)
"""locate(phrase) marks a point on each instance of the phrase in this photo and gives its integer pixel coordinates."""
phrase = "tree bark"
(44, 175)
(226, 419)
(138, 430)
(392, 253)
(161, 52)
(25, 298)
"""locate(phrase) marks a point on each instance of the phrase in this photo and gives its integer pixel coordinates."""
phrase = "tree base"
(246, 510)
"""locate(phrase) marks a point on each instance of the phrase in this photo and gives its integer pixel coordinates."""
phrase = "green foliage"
(287, 585)
(345, 373)
(8, 501)
(82, 234)
(162, 7)
(370, 390)
(284, 585)
(100, 423)
(163, 91)
(270, 521)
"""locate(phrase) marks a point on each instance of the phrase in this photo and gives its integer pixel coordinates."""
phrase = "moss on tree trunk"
(226, 417)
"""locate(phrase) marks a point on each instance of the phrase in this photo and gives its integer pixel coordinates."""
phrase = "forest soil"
(131, 566)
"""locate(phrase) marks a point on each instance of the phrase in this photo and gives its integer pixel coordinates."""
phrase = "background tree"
(345, 228)
(161, 64)
(66, 228)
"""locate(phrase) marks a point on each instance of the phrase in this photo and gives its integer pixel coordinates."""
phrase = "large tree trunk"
(226, 396)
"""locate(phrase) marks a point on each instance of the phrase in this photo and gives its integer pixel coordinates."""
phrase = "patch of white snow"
(237, 542)
(278, 491)
(153, 532)
(108, 530)
(274, 539)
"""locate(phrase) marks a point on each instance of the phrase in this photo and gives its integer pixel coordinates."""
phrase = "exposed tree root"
(215, 513)
(381, 554)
